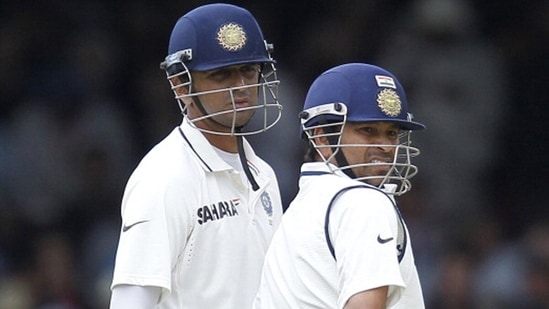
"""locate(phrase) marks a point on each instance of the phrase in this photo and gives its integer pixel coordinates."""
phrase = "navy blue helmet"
(219, 35)
(358, 92)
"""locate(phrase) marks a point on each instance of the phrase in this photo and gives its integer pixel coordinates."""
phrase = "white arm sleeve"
(134, 297)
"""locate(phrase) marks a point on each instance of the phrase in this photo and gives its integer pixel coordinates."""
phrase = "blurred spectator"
(515, 274)
(522, 33)
(54, 281)
(15, 293)
(454, 282)
(454, 78)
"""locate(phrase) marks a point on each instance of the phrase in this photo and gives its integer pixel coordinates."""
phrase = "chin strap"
(342, 161)
(198, 103)
(244, 162)
(339, 156)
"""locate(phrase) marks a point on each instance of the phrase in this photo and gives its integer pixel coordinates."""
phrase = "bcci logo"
(389, 102)
(231, 37)
(267, 204)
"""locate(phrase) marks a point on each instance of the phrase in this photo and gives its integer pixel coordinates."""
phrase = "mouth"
(379, 167)
(375, 161)
(240, 103)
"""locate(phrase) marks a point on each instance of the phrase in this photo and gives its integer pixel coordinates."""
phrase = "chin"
(372, 182)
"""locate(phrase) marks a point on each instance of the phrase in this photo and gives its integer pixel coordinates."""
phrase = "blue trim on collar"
(310, 173)
(196, 153)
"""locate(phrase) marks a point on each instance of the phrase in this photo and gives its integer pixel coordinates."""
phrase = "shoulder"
(166, 171)
(256, 160)
(349, 189)
(264, 167)
(358, 198)
(169, 158)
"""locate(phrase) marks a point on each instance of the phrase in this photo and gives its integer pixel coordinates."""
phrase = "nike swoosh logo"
(125, 228)
(382, 240)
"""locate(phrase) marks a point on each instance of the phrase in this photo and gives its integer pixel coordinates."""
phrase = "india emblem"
(231, 37)
(389, 102)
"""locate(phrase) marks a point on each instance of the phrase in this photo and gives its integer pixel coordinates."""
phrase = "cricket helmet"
(219, 35)
(358, 92)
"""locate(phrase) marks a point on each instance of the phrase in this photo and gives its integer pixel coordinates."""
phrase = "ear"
(181, 90)
(321, 139)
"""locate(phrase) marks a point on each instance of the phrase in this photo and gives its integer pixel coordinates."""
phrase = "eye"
(249, 71)
(367, 130)
(393, 133)
(220, 74)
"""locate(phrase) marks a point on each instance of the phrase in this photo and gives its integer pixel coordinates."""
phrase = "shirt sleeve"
(363, 229)
(134, 297)
(154, 231)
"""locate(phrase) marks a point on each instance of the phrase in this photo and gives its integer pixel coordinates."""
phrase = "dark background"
(82, 99)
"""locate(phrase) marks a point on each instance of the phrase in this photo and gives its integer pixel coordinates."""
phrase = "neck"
(224, 142)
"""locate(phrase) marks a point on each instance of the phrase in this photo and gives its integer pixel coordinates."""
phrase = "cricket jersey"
(194, 227)
(370, 242)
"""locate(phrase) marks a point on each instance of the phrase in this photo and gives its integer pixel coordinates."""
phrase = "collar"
(204, 151)
(322, 168)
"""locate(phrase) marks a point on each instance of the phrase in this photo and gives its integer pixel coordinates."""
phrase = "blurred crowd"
(82, 99)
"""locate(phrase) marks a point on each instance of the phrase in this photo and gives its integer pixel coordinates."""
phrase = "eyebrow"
(234, 67)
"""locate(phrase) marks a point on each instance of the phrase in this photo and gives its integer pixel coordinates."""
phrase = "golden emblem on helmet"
(231, 37)
(389, 102)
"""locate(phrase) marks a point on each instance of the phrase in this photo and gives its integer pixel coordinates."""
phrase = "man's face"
(379, 138)
(223, 78)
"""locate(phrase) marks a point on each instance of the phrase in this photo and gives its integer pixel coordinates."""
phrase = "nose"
(385, 148)
(385, 145)
(238, 79)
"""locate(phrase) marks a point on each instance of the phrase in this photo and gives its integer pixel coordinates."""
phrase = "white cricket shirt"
(191, 226)
(299, 270)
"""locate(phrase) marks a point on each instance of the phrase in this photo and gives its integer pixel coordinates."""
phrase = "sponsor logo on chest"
(218, 211)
